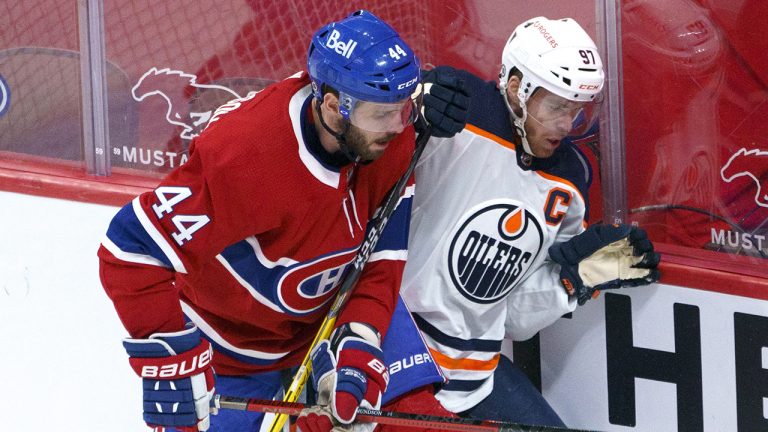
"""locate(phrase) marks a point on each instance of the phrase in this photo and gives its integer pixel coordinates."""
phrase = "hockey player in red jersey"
(499, 243)
(232, 261)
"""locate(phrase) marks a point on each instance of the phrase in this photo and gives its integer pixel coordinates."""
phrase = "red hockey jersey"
(250, 238)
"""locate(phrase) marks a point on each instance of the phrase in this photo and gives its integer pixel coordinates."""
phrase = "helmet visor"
(562, 116)
(379, 117)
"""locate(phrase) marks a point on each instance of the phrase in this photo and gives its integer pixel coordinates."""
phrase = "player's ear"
(330, 106)
(513, 85)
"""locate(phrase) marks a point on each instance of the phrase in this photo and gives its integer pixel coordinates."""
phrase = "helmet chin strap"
(519, 122)
(340, 137)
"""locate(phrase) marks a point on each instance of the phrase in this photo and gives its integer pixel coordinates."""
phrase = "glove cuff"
(170, 355)
(184, 365)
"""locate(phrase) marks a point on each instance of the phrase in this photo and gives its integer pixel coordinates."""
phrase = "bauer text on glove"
(177, 378)
(348, 372)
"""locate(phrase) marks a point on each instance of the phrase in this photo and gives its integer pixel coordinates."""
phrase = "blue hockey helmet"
(363, 57)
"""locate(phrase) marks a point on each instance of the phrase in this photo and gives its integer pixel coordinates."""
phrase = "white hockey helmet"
(557, 55)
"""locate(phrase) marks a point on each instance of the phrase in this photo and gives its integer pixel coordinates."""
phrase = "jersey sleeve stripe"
(485, 345)
(464, 363)
(463, 385)
(131, 241)
(130, 256)
(157, 237)
(399, 255)
(220, 344)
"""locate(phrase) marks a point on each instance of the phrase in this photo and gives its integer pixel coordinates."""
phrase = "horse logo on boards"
(752, 164)
(171, 86)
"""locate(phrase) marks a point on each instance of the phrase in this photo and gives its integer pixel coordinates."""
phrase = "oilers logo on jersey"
(493, 247)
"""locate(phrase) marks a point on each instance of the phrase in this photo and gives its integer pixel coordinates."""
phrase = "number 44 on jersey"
(186, 225)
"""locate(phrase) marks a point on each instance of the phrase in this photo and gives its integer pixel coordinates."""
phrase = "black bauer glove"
(446, 102)
(605, 257)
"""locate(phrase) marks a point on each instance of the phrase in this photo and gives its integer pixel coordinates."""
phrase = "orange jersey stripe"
(464, 364)
(510, 145)
(561, 180)
(495, 138)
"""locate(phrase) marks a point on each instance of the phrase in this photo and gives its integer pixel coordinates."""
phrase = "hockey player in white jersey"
(499, 244)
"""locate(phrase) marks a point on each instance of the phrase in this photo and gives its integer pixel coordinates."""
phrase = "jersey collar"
(318, 162)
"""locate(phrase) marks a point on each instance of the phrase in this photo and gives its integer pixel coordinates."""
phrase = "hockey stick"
(391, 418)
(377, 225)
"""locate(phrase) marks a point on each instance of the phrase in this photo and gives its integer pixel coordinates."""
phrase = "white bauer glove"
(605, 257)
(348, 372)
(177, 378)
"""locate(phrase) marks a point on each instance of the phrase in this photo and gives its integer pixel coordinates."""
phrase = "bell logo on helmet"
(343, 48)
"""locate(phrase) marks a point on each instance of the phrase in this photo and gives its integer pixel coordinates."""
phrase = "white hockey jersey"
(483, 218)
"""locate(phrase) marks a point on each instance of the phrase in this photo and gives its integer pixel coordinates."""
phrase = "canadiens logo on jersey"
(492, 248)
(306, 287)
(286, 285)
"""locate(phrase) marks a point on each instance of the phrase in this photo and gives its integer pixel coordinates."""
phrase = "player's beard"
(366, 147)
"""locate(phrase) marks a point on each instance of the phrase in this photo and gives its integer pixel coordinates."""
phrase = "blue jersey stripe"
(395, 234)
(127, 233)
(266, 279)
(463, 385)
(484, 345)
(242, 258)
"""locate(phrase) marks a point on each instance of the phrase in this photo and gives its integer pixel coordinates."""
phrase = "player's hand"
(605, 257)
(177, 378)
(446, 102)
(348, 372)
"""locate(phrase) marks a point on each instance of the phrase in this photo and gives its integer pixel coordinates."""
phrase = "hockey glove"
(177, 378)
(605, 257)
(348, 372)
(446, 102)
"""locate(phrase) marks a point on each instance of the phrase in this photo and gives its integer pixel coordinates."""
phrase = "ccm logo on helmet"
(180, 369)
(407, 84)
(589, 87)
(343, 48)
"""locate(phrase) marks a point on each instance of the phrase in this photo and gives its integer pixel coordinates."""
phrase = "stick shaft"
(378, 223)
(391, 418)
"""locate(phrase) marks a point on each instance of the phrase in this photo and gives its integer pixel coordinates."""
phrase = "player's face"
(550, 119)
(372, 126)
(379, 117)
(369, 145)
